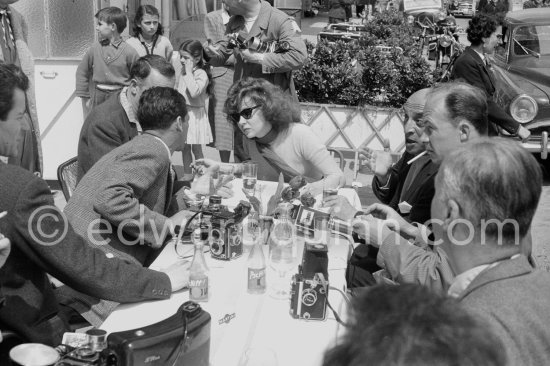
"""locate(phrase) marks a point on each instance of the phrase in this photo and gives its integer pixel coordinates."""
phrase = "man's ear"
(179, 124)
(452, 212)
(133, 86)
(464, 130)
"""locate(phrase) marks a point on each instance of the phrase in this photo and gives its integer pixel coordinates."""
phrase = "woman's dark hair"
(142, 10)
(195, 49)
(277, 107)
(479, 27)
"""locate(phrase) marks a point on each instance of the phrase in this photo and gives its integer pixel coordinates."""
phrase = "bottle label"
(198, 289)
(256, 278)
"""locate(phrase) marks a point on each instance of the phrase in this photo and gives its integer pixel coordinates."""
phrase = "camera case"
(180, 340)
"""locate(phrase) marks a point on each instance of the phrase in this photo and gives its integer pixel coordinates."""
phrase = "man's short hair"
(410, 325)
(465, 102)
(113, 15)
(11, 78)
(141, 69)
(159, 107)
(493, 179)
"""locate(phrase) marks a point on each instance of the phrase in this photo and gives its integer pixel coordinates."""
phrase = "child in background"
(108, 61)
(194, 83)
(148, 38)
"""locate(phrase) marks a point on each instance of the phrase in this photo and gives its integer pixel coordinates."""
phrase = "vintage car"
(461, 8)
(341, 32)
(521, 68)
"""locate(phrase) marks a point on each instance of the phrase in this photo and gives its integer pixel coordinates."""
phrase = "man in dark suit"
(43, 242)
(122, 205)
(454, 114)
(486, 196)
(114, 122)
(473, 67)
(407, 188)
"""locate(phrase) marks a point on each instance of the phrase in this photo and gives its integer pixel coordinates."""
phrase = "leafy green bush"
(359, 73)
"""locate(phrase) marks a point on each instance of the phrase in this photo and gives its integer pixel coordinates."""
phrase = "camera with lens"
(223, 229)
(237, 40)
(182, 339)
(257, 45)
(309, 287)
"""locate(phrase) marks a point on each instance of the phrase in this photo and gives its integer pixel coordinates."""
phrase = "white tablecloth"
(260, 321)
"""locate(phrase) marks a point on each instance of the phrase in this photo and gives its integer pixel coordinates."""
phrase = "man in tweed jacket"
(121, 205)
(486, 196)
(43, 242)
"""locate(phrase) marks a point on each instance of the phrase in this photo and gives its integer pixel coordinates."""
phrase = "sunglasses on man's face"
(245, 113)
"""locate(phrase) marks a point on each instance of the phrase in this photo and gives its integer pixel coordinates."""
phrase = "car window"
(532, 41)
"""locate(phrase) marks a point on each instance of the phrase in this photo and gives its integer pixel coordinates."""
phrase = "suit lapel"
(260, 25)
(427, 171)
(506, 269)
(481, 64)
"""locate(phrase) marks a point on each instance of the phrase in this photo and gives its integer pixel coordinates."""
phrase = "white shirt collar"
(463, 280)
(480, 55)
(225, 16)
(125, 103)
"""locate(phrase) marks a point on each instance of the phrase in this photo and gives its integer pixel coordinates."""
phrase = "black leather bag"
(182, 339)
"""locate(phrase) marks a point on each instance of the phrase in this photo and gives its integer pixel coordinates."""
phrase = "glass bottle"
(256, 267)
(282, 253)
(199, 288)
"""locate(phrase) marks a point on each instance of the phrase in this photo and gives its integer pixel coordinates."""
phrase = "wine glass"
(260, 356)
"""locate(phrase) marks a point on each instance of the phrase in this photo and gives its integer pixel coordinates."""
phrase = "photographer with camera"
(259, 20)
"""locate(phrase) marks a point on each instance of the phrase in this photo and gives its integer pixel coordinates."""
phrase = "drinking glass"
(321, 232)
(250, 176)
(282, 258)
(251, 231)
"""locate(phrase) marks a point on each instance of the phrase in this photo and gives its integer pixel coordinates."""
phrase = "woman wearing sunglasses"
(276, 139)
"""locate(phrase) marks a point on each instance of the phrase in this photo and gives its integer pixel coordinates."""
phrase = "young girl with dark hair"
(147, 30)
(194, 82)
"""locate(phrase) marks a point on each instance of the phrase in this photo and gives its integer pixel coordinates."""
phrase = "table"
(260, 321)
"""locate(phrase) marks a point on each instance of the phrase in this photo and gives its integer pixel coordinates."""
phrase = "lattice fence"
(350, 128)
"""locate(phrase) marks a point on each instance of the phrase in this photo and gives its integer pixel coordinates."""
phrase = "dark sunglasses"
(245, 113)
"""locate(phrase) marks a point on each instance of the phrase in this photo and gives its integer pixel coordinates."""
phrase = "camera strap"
(326, 287)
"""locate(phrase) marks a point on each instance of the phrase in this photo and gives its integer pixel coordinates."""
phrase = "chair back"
(66, 174)
(338, 154)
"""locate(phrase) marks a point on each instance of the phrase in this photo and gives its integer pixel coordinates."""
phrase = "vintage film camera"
(222, 228)
(180, 340)
(237, 40)
(309, 287)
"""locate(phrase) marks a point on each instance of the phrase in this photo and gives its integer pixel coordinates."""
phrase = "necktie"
(5, 21)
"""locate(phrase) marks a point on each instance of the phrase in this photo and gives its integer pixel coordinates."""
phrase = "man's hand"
(378, 161)
(181, 218)
(203, 165)
(340, 207)
(373, 230)
(392, 219)
(5, 248)
(178, 274)
(252, 57)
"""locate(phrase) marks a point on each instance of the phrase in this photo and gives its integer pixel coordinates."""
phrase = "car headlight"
(445, 41)
(524, 108)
